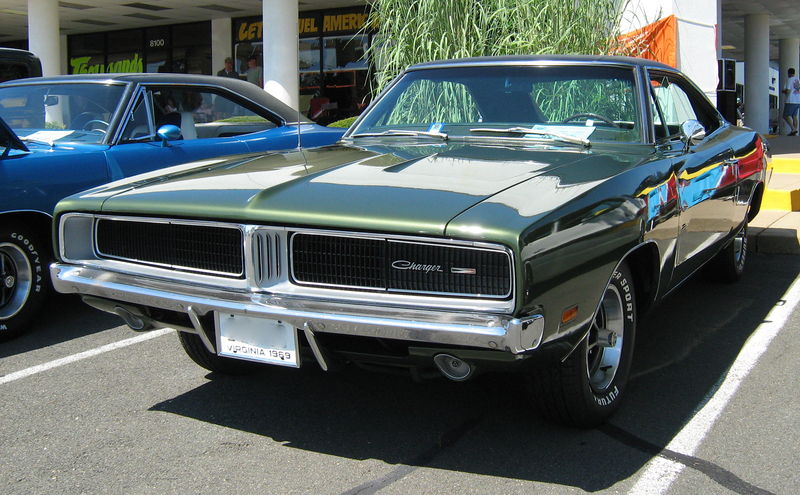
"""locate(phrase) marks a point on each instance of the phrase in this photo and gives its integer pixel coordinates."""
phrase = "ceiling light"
(144, 6)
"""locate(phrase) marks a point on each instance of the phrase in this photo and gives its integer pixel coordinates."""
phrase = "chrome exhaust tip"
(137, 323)
(452, 367)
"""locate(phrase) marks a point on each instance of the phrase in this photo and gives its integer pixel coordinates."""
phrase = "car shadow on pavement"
(64, 317)
(485, 426)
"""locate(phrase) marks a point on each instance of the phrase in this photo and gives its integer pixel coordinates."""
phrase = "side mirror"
(692, 132)
(50, 100)
(168, 132)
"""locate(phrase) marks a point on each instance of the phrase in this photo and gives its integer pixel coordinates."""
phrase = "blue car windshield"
(60, 112)
(581, 103)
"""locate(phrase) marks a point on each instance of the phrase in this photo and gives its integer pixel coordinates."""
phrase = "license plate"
(257, 339)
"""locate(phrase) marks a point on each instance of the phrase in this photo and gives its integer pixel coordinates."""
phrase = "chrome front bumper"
(480, 330)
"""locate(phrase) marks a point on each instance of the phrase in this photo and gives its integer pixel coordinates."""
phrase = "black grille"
(198, 248)
(397, 266)
(348, 261)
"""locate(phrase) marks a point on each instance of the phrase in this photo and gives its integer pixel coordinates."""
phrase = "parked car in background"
(18, 64)
(66, 134)
(511, 213)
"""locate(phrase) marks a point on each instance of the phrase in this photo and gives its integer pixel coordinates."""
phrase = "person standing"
(228, 70)
(255, 74)
(792, 91)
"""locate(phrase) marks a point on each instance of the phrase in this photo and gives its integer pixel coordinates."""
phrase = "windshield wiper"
(395, 132)
(526, 130)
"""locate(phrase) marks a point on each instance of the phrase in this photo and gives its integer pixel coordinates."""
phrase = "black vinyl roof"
(542, 59)
(248, 90)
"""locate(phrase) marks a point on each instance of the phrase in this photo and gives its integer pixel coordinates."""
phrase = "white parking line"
(83, 355)
(661, 472)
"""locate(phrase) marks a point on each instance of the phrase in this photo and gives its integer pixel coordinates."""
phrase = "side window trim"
(657, 105)
(141, 94)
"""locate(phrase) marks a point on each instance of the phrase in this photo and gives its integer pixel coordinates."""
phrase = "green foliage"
(414, 31)
(344, 122)
(54, 125)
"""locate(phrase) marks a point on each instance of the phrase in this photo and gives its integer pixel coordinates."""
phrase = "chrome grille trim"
(390, 239)
(180, 245)
(266, 256)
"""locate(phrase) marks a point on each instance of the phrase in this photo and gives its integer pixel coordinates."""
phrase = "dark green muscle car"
(511, 213)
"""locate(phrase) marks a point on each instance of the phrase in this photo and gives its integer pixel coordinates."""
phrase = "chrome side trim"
(500, 332)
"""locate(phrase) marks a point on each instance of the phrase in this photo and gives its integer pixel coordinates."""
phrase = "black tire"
(728, 265)
(197, 351)
(587, 388)
(24, 278)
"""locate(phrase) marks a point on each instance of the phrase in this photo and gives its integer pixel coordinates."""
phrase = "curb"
(774, 232)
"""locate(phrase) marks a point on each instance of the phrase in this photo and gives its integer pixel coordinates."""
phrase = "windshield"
(565, 103)
(60, 113)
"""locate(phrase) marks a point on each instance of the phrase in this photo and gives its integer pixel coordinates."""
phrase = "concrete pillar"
(790, 58)
(281, 66)
(221, 40)
(756, 72)
(64, 51)
(43, 34)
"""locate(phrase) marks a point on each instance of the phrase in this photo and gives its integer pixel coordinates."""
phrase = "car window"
(587, 102)
(677, 104)
(64, 113)
(137, 128)
(202, 113)
(426, 100)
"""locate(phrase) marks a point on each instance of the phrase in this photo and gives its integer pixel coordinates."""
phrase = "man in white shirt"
(792, 91)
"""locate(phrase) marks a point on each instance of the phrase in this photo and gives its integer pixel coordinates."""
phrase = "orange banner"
(656, 41)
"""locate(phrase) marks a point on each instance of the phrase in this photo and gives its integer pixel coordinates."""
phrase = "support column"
(790, 58)
(756, 72)
(281, 38)
(43, 34)
(221, 40)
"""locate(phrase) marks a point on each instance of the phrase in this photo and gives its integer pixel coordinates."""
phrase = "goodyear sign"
(337, 22)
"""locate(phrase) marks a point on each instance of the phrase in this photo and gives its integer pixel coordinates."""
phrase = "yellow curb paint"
(786, 165)
(781, 200)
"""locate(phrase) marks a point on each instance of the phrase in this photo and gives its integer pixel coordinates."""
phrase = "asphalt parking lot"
(712, 408)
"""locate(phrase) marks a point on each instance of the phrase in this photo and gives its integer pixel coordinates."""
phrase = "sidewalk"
(776, 230)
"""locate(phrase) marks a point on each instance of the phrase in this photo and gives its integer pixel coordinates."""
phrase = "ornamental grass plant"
(414, 31)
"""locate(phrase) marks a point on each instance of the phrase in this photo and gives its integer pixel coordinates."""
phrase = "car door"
(706, 170)
(209, 123)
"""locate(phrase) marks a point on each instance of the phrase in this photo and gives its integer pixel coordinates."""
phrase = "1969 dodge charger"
(514, 213)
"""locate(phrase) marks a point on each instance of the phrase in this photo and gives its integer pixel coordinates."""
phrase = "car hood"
(413, 188)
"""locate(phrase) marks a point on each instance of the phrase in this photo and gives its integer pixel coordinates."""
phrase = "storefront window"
(191, 48)
(333, 69)
(156, 48)
(184, 48)
(345, 52)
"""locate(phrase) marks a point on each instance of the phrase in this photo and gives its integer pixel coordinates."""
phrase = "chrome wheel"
(16, 276)
(604, 349)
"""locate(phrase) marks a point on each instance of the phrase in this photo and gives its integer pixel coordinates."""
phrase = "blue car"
(62, 135)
